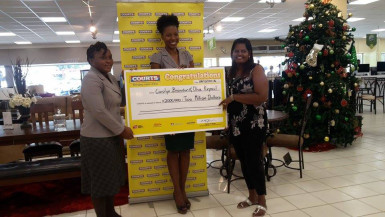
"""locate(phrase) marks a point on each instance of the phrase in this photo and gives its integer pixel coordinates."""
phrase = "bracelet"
(232, 97)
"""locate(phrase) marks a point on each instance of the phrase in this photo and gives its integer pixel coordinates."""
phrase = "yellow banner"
(175, 100)
(147, 166)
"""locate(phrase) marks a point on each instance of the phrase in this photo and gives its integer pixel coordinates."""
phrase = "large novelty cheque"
(168, 101)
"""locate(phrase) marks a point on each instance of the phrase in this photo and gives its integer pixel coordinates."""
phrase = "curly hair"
(165, 21)
(98, 46)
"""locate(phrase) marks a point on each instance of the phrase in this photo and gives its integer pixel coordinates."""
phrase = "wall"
(371, 56)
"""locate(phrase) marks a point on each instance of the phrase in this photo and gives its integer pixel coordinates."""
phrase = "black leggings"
(249, 150)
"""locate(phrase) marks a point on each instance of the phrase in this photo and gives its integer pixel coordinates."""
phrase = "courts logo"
(128, 32)
(194, 14)
(194, 31)
(181, 31)
(191, 178)
(144, 14)
(198, 156)
(129, 49)
(165, 174)
(198, 142)
(193, 164)
(138, 191)
(195, 47)
(168, 188)
(131, 66)
(145, 168)
(151, 145)
(198, 171)
(197, 64)
(138, 40)
(137, 22)
(160, 14)
(158, 137)
(143, 138)
(145, 31)
(152, 160)
(159, 48)
(179, 14)
(160, 167)
(153, 175)
(135, 146)
(140, 57)
(137, 126)
(185, 39)
(146, 48)
(146, 183)
(185, 22)
(199, 185)
(145, 78)
(127, 14)
(151, 22)
(145, 65)
(144, 153)
(153, 189)
(183, 48)
(153, 39)
(136, 161)
(160, 181)
(160, 152)
(137, 176)
(157, 125)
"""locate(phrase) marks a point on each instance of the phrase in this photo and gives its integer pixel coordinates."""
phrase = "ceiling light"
(232, 19)
(23, 42)
(116, 32)
(53, 19)
(205, 31)
(301, 19)
(116, 40)
(219, 0)
(362, 2)
(378, 30)
(65, 33)
(73, 42)
(354, 19)
(117, 19)
(7, 34)
(93, 29)
(218, 28)
(267, 30)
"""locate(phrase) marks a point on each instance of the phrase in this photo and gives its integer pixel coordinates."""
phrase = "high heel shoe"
(182, 209)
(188, 204)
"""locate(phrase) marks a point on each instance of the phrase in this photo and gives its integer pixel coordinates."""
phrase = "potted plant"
(23, 104)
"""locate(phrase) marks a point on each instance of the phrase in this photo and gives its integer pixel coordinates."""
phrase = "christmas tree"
(320, 61)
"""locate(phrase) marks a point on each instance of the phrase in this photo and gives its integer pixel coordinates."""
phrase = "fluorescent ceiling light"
(116, 32)
(117, 19)
(362, 2)
(267, 30)
(53, 19)
(219, 0)
(269, 1)
(354, 19)
(65, 33)
(232, 19)
(116, 40)
(378, 30)
(73, 42)
(7, 34)
(23, 42)
(301, 19)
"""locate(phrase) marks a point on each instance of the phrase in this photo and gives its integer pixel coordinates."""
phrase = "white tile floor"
(341, 182)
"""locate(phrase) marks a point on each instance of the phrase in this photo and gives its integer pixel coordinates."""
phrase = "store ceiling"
(22, 17)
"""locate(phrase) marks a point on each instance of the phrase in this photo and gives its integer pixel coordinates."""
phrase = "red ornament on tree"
(291, 54)
(344, 103)
(331, 23)
(309, 27)
(307, 92)
(337, 63)
(299, 88)
(332, 41)
(323, 99)
(300, 35)
(326, 52)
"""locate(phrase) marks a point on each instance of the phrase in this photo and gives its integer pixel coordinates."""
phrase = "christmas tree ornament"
(332, 65)
(331, 23)
(353, 29)
(328, 75)
(297, 74)
(323, 99)
(327, 13)
(332, 72)
(283, 46)
(350, 93)
(331, 52)
(294, 108)
(330, 90)
(332, 123)
(339, 14)
(320, 53)
(332, 41)
(278, 130)
(306, 136)
(297, 45)
(286, 86)
(307, 38)
(318, 117)
(344, 38)
(350, 15)
(337, 111)
(326, 139)
(309, 27)
(291, 54)
(325, 52)
(291, 99)
(299, 88)
(311, 58)
(311, 6)
(355, 84)
(310, 77)
(320, 25)
(345, 26)
(344, 103)
(289, 74)
(352, 68)
(284, 92)
(346, 118)
(315, 104)
(322, 83)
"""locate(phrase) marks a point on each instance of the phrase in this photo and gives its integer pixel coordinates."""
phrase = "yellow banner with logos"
(147, 166)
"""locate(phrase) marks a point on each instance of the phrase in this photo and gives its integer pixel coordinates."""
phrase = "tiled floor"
(341, 182)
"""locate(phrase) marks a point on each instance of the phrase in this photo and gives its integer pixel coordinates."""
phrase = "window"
(360, 57)
(382, 57)
(3, 82)
(209, 62)
(267, 61)
(225, 61)
(60, 79)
